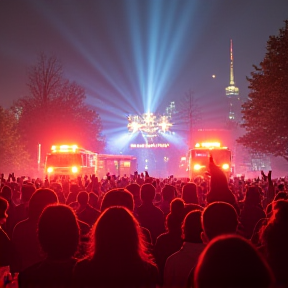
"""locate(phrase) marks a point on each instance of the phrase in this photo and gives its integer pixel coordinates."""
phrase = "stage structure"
(150, 124)
(152, 142)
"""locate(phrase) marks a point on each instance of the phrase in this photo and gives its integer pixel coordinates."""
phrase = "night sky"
(138, 55)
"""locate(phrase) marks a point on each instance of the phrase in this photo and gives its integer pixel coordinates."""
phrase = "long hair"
(117, 236)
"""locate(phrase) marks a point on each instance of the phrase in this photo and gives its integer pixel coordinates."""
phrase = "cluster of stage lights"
(149, 124)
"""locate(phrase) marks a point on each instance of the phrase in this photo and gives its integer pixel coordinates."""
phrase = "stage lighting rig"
(149, 124)
(164, 124)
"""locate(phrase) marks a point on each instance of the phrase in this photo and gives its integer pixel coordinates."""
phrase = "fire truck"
(72, 161)
(198, 158)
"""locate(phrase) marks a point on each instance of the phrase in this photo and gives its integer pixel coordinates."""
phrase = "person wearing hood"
(219, 190)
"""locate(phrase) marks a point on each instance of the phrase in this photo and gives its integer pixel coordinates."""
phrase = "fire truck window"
(63, 160)
(84, 160)
(90, 160)
(125, 164)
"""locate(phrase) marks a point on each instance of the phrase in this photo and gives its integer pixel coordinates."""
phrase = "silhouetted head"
(281, 187)
(253, 196)
(219, 190)
(282, 195)
(6, 192)
(218, 177)
(39, 200)
(82, 198)
(26, 192)
(147, 192)
(231, 261)
(280, 204)
(74, 188)
(134, 188)
(4, 205)
(192, 227)
(219, 218)
(57, 187)
(168, 193)
(177, 207)
(117, 236)
(173, 222)
(118, 197)
(58, 231)
(189, 193)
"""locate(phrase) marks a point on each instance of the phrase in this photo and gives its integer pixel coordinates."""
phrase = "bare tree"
(188, 114)
(55, 110)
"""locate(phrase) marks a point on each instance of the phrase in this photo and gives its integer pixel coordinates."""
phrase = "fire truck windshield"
(63, 160)
(221, 155)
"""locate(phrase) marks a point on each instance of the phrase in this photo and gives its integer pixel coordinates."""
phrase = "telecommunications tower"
(232, 92)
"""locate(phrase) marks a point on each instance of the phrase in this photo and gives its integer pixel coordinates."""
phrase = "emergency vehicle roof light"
(64, 148)
(210, 144)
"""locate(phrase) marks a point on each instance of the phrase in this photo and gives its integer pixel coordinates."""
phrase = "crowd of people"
(144, 232)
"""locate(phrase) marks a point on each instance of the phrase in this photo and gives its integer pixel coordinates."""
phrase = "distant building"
(232, 93)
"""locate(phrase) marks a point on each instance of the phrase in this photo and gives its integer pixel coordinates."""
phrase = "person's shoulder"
(29, 273)
(32, 268)
(3, 236)
(140, 209)
(162, 240)
(82, 265)
(149, 267)
(178, 253)
(82, 272)
(22, 223)
(152, 272)
(20, 207)
(158, 210)
(20, 227)
(93, 210)
(84, 227)
(164, 235)
(192, 207)
(171, 259)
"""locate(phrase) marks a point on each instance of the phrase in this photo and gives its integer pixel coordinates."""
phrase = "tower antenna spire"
(231, 64)
(231, 90)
